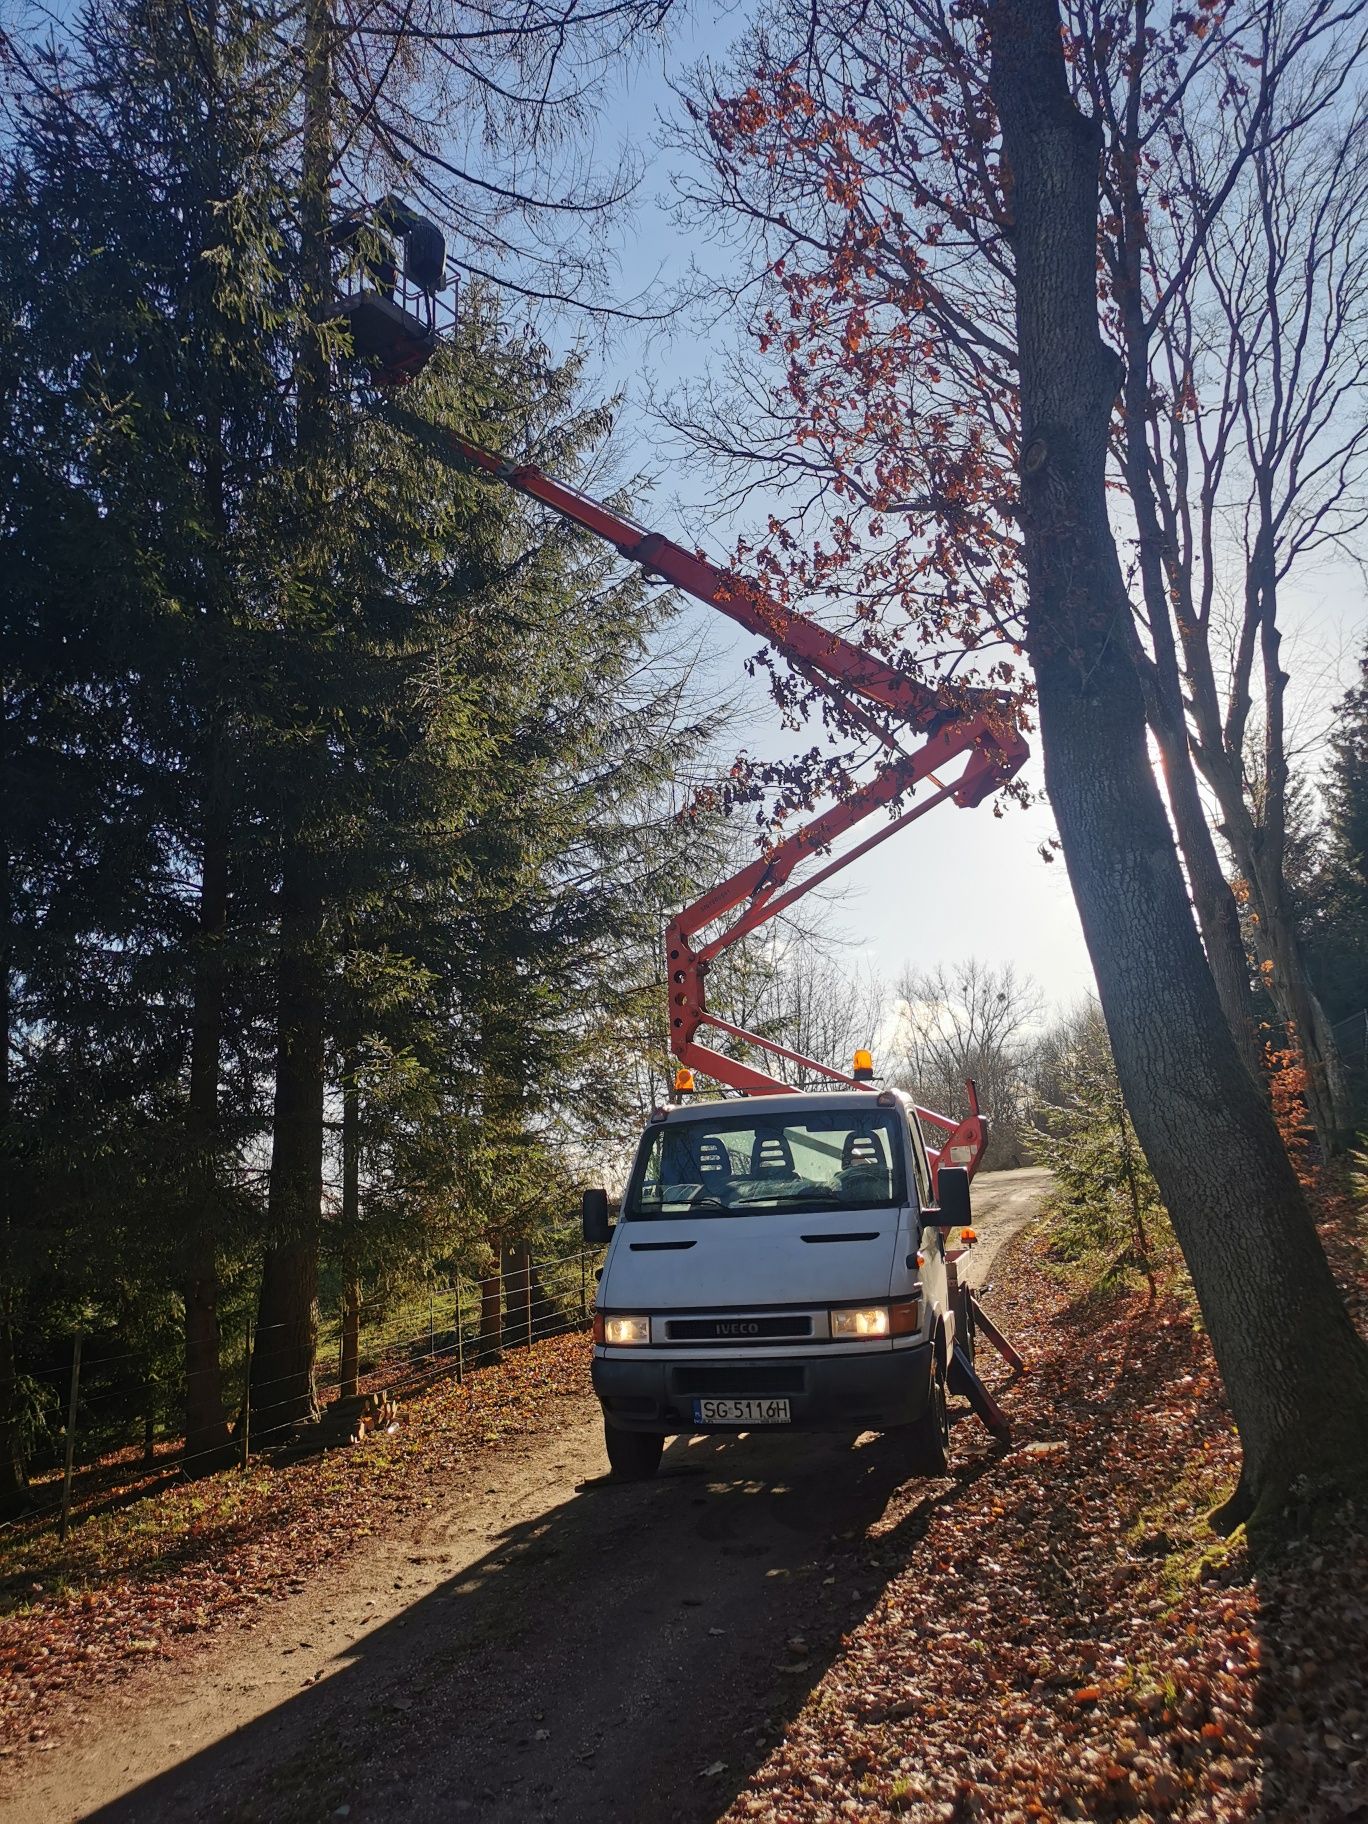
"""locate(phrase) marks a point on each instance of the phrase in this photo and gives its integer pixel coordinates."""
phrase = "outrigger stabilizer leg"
(964, 1378)
(983, 1324)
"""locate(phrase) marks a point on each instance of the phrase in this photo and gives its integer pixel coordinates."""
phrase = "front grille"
(740, 1379)
(739, 1330)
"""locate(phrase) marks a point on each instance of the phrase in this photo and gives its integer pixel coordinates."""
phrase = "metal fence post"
(460, 1336)
(70, 1437)
(247, 1397)
(584, 1289)
(432, 1327)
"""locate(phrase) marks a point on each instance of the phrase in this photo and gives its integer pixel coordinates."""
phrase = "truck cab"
(778, 1260)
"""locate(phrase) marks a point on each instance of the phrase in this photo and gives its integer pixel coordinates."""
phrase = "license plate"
(741, 1412)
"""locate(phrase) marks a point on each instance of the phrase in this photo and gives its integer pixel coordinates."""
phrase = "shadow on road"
(630, 1653)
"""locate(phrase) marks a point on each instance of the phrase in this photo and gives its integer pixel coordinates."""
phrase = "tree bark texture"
(283, 1390)
(349, 1376)
(1295, 1370)
(517, 1268)
(1218, 915)
(207, 1435)
(283, 1393)
(14, 1487)
(490, 1342)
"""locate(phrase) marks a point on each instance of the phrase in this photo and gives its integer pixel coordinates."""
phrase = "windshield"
(757, 1164)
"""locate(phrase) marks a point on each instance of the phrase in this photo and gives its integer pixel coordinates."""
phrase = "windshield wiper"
(660, 1212)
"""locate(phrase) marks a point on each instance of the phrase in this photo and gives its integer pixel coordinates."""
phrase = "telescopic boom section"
(976, 735)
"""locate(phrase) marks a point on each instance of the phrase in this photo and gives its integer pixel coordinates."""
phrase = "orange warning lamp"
(864, 1067)
(684, 1082)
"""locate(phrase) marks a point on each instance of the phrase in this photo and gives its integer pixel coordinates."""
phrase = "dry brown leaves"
(142, 1580)
(1068, 1639)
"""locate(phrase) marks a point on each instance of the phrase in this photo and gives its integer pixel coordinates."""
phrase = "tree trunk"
(517, 1266)
(1288, 984)
(283, 1393)
(1218, 915)
(490, 1344)
(207, 1437)
(1259, 848)
(349, 1379)
(349, 1376)
(14, 1488)
(1295, 1370)
(14, 1485)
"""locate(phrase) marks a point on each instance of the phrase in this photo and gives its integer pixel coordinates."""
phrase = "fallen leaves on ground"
(1057, 1634)
(1065, 1638)
(147, 1577)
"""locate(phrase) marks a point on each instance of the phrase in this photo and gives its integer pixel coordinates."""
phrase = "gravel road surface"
(542, 1645)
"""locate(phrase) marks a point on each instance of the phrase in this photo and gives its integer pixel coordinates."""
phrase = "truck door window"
(757, 1164)
(921, 1165)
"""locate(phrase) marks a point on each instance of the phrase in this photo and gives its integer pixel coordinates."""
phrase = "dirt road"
(548, 1645)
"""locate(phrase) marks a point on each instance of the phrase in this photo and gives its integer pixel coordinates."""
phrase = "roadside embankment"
(1068, 1639)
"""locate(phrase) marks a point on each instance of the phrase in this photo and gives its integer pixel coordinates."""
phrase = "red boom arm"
(980, 734)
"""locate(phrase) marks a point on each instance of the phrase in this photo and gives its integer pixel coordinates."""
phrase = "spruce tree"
(151, 315)
(1336, 900)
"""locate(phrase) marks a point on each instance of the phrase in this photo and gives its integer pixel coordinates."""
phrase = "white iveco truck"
(779, 1260)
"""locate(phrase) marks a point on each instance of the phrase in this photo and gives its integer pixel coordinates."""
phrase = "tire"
(634, 1456)
(928, 1438)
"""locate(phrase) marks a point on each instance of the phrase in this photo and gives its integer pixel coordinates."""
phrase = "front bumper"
(875, 1390)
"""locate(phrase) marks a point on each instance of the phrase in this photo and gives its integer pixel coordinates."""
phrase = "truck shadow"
(629, 1653)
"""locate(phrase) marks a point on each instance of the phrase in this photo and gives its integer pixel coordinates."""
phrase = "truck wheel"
(633, 1455)
(929, 1436)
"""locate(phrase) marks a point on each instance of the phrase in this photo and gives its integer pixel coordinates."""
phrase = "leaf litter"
(148, 1579)
(1064, 1637)
(1058, 1634)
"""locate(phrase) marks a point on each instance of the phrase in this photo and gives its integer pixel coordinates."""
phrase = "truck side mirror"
(952, 1193)
(596, 1224)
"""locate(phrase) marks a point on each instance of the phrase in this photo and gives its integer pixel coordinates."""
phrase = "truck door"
(930, 1243)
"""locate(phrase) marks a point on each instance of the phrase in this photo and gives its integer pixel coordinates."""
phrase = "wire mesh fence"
(1351, 1037)
(450, 1329)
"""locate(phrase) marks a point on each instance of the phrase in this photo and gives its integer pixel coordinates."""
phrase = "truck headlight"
(623, 1330)
(873, 1321)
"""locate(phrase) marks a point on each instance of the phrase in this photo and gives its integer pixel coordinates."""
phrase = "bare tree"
(970, 1019)
(808, 1000)
(1244, 443)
